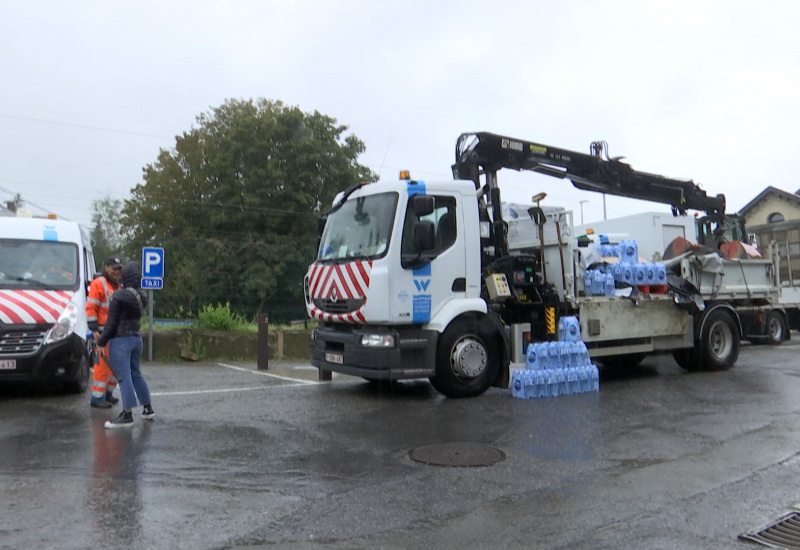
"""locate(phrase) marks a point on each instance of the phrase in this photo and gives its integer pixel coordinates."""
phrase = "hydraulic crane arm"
(486, 153)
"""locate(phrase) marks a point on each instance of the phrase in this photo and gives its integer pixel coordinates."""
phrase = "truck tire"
(81, 381)
(467, 358)
(776, 328)
(629, 360)
(719, 341)
(688, 359)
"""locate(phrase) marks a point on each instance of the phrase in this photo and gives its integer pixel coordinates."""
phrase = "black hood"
(131, 275)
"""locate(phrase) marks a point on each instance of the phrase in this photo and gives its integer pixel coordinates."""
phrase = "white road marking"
(296, 383)
(262, 373)
(225, 390)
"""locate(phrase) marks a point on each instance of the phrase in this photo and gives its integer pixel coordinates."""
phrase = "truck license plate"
(334, 358)
(8, 364)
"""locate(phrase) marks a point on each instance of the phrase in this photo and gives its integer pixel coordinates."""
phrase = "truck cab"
(397, 265)
(46, 266)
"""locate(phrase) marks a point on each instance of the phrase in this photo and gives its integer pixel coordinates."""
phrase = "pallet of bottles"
(553, 369)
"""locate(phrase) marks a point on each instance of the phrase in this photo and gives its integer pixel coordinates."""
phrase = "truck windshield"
(38, 265)
(359, 229)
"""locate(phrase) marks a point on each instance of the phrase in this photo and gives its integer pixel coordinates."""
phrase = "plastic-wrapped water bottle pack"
(557, 368)
(629, 270)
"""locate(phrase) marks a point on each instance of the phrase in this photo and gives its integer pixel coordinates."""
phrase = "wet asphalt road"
(237, 458)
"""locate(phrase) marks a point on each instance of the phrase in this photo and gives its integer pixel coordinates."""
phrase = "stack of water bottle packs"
(648, 276)
(557, 368)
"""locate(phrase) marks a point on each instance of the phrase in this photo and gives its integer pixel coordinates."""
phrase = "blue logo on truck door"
(422, 300)
(422, 285)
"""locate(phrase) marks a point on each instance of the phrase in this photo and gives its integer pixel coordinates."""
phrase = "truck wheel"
(688, 359)
(719, 341)
(629, 360)
(81, 381)
(776, 328)
(467, 359)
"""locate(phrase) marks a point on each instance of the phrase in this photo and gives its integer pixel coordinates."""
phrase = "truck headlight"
(377, 340)
(64, 326)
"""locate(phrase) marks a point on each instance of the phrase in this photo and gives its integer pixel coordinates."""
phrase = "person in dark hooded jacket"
(121, 332)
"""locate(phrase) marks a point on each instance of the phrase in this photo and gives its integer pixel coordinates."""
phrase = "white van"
(46, 266)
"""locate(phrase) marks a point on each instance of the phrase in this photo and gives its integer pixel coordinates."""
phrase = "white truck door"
(420, 292)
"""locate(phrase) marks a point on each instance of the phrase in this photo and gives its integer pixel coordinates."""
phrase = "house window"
(775, 217)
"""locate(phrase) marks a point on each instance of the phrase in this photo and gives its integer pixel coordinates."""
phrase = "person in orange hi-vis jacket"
(100, 291)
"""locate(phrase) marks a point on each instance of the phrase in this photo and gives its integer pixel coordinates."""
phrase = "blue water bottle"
(628, 252)
(561, 375)
(597, 282)
(517, 388)
(594, 377)
(540, 384)
(627, 273)
(650, 273)
(530, 358)
(527, 384)
(639, 274)
(574, 328)
(583, 355)
(584, 383)
(609, 286)
(556, 354)
(661, 273)
(572, 380)
(552, 383)
(616, 271)
(542, 355)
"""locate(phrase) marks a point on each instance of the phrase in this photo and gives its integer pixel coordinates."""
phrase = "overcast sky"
(703, 90)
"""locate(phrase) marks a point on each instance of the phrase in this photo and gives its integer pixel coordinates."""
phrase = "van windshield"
(38, 265)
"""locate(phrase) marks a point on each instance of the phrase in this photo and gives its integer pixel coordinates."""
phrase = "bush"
(220, 317)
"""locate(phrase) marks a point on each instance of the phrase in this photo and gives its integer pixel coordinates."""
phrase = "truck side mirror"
(421, 205)
(424, 235)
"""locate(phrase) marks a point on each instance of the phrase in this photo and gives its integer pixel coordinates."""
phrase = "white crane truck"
(417, 279)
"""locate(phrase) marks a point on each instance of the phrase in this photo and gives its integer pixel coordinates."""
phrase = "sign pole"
(152, 278)
(150, 325)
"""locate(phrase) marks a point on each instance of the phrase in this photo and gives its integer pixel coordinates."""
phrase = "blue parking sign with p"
(152, 267)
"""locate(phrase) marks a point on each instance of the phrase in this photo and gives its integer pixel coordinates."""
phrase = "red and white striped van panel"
(345, 281)
(21, 307)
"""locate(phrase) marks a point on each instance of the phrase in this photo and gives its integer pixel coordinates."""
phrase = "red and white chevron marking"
(20, 307)
(341, 282)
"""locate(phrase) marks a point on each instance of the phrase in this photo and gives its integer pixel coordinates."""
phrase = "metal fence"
(268, 280)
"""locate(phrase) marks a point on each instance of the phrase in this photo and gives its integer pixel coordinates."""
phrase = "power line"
(83, 126)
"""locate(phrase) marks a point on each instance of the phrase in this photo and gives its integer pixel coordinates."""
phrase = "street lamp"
(583, 201)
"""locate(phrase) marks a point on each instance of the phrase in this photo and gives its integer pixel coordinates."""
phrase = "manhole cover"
(457, 454)
(782, 533)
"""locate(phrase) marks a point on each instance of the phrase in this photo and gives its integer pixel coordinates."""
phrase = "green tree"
(235, 203)
(107, 235)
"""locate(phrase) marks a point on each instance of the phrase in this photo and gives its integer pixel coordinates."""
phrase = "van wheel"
(776, 328)
(81, 381)
(467, 358)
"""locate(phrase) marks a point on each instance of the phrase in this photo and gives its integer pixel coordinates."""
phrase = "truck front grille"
(340, 306)
(14, 343)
